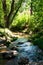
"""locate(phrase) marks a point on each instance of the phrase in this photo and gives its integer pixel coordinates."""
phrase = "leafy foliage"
(8, 10)
(37, 36)
(1, 15)
(20, 21)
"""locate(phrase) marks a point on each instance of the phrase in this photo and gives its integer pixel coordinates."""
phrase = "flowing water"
(33, 53)
(26, 50)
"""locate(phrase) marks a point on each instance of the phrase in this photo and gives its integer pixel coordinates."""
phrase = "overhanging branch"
(19, 5)
(4, 5)
(4, 10)
(12, 9)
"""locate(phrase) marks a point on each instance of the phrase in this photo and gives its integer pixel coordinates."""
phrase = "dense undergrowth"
(37, 39)
(20, 21)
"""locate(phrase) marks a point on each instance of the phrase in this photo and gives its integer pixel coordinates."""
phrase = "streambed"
(27, 50)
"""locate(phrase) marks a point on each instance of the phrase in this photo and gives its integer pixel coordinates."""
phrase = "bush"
(37, 39)
(38, 42)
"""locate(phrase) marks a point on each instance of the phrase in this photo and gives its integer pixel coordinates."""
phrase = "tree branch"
(11, 11)
(19, 5)
(4, 5)
(31, 8)
(4, 10)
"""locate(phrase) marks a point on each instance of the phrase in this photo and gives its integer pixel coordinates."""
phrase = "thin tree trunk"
(4, 10)
(31, 8)
(19, 5)
(10, 14)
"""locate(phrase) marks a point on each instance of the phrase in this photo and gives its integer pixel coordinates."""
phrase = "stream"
(26, 50)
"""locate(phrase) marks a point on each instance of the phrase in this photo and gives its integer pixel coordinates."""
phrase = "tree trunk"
(9, 18)
(31, 8)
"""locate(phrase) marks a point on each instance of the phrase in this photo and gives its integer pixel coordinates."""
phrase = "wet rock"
(9, 54)
(2, 41)
(13, 61)
(23, 61)
(36, 63)
(3, 48)
(33, 63)
(40, 63)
